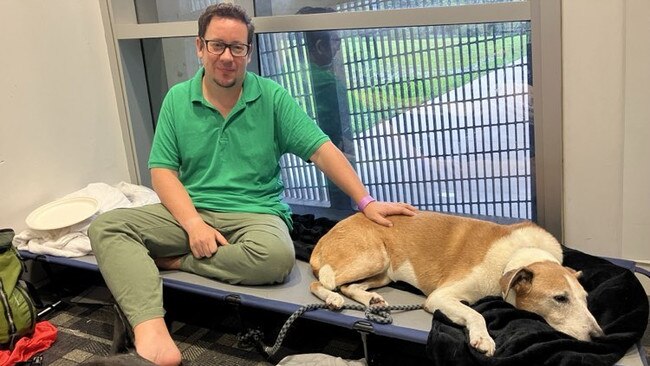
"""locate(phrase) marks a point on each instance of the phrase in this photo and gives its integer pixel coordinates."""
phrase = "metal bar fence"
(439, 114)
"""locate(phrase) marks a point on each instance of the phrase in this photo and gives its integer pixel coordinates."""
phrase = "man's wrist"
(363, 202)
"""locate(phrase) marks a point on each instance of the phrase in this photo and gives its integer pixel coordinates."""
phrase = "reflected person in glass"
(330, 95)
(215, 166)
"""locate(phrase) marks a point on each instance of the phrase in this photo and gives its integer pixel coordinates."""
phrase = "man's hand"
(378, 211)
(204, 239)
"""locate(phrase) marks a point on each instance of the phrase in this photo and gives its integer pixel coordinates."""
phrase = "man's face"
(224, 70)
(326, 47)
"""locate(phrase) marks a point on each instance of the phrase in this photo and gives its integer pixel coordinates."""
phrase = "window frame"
(124, 35)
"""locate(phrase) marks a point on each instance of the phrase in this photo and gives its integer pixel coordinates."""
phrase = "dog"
(452, 260)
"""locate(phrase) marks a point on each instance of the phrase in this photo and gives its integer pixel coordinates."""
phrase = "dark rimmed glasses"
(218, 47)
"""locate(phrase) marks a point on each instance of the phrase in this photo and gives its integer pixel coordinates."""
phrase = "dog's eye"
(561, 299)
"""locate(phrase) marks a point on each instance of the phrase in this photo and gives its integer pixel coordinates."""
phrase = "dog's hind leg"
(358, 291)
(324, 289)
(332, 299)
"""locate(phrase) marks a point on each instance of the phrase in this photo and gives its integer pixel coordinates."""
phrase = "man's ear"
(320, 46)
(520, 279)
(199, 47)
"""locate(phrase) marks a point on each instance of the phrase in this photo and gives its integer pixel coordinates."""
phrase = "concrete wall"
(606, 51)
(59, 127)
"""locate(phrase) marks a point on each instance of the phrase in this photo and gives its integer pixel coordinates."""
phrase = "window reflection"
(435, 116)
(288, 7)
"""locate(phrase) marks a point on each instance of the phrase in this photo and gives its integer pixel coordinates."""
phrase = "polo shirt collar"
(251, 91)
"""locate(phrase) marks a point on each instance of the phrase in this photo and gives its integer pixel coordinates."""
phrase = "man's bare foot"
(154, 343)
(168, 262)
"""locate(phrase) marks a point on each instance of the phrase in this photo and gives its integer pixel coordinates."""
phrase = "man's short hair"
(312, 37)
(225, 10)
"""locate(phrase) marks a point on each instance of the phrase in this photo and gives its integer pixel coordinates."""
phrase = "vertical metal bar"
(487, 123)
(396, 132)
(527, 129)
(515, 209)
(475, 182)
(446, 127)
(361, 67)
(385, 66)
(387, 51)
(454, 131)
(372, 81)
(487, 131)
(439, 145)
(430, 124)
(463, 156)
(377, 153)
(508, 122)
(499, 101)
(419, 129)
(408, 142)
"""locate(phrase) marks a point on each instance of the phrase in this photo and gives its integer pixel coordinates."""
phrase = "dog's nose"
(596, 333)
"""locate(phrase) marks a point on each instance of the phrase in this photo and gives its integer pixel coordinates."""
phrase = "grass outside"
(387, 75)
(392, 76)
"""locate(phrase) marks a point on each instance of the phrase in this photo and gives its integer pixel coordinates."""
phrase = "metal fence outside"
(435, 116)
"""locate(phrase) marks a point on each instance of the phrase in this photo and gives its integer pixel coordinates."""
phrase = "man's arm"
(203, 238)
(329, 159)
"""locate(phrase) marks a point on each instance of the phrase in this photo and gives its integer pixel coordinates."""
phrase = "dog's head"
(553, 292)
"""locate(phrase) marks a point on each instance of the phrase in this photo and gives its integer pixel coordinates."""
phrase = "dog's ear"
(577, 274)
(520, 280)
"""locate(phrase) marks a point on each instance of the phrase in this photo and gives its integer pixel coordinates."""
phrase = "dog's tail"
(327, 277)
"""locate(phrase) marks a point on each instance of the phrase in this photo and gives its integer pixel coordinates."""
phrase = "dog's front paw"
(334, 301)
(482, 342)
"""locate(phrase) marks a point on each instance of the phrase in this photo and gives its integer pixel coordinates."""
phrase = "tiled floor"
(85, 332)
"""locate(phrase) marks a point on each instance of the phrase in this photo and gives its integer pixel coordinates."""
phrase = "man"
(214, 165)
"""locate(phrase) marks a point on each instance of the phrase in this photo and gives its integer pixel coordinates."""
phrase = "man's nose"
(227, 54)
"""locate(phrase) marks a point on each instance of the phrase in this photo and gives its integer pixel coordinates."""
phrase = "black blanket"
(616, 299)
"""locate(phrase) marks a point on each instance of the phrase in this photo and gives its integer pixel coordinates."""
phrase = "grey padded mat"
(288, 297)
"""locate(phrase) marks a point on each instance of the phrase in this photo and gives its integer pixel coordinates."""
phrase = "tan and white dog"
(453, 259)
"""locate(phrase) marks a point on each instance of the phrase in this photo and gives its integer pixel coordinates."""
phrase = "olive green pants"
(125, 241)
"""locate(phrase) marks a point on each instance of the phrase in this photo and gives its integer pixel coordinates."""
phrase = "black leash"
(378, 314)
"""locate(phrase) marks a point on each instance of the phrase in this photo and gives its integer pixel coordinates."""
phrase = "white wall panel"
(59, 127)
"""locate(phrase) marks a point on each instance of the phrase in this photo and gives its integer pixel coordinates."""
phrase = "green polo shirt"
(232, 164)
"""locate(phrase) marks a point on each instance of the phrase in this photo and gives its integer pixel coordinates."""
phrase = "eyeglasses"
(218, 48)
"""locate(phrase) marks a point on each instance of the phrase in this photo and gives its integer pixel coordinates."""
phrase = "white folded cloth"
(73, 241)
(319, 359)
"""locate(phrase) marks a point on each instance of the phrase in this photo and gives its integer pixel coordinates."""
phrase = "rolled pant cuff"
(145, 315)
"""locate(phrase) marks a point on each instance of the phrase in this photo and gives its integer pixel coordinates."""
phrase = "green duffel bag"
(17, 310)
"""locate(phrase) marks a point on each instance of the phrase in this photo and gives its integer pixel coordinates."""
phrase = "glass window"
(170, 10)
(289, 7)
(434, 116)
(437, 116)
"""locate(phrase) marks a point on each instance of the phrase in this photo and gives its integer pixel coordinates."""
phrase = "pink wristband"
(364, 202)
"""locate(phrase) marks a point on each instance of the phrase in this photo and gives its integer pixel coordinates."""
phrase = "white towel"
(318, 359)
(73, 241)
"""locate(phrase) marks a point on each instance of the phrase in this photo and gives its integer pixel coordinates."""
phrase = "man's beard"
(225, 85)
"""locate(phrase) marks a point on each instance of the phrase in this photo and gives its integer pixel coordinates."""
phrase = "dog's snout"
(596, 333)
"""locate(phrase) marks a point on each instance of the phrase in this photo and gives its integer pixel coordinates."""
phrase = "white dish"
(62, 213)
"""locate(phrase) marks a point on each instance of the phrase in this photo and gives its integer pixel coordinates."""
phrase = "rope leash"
(378, 313)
